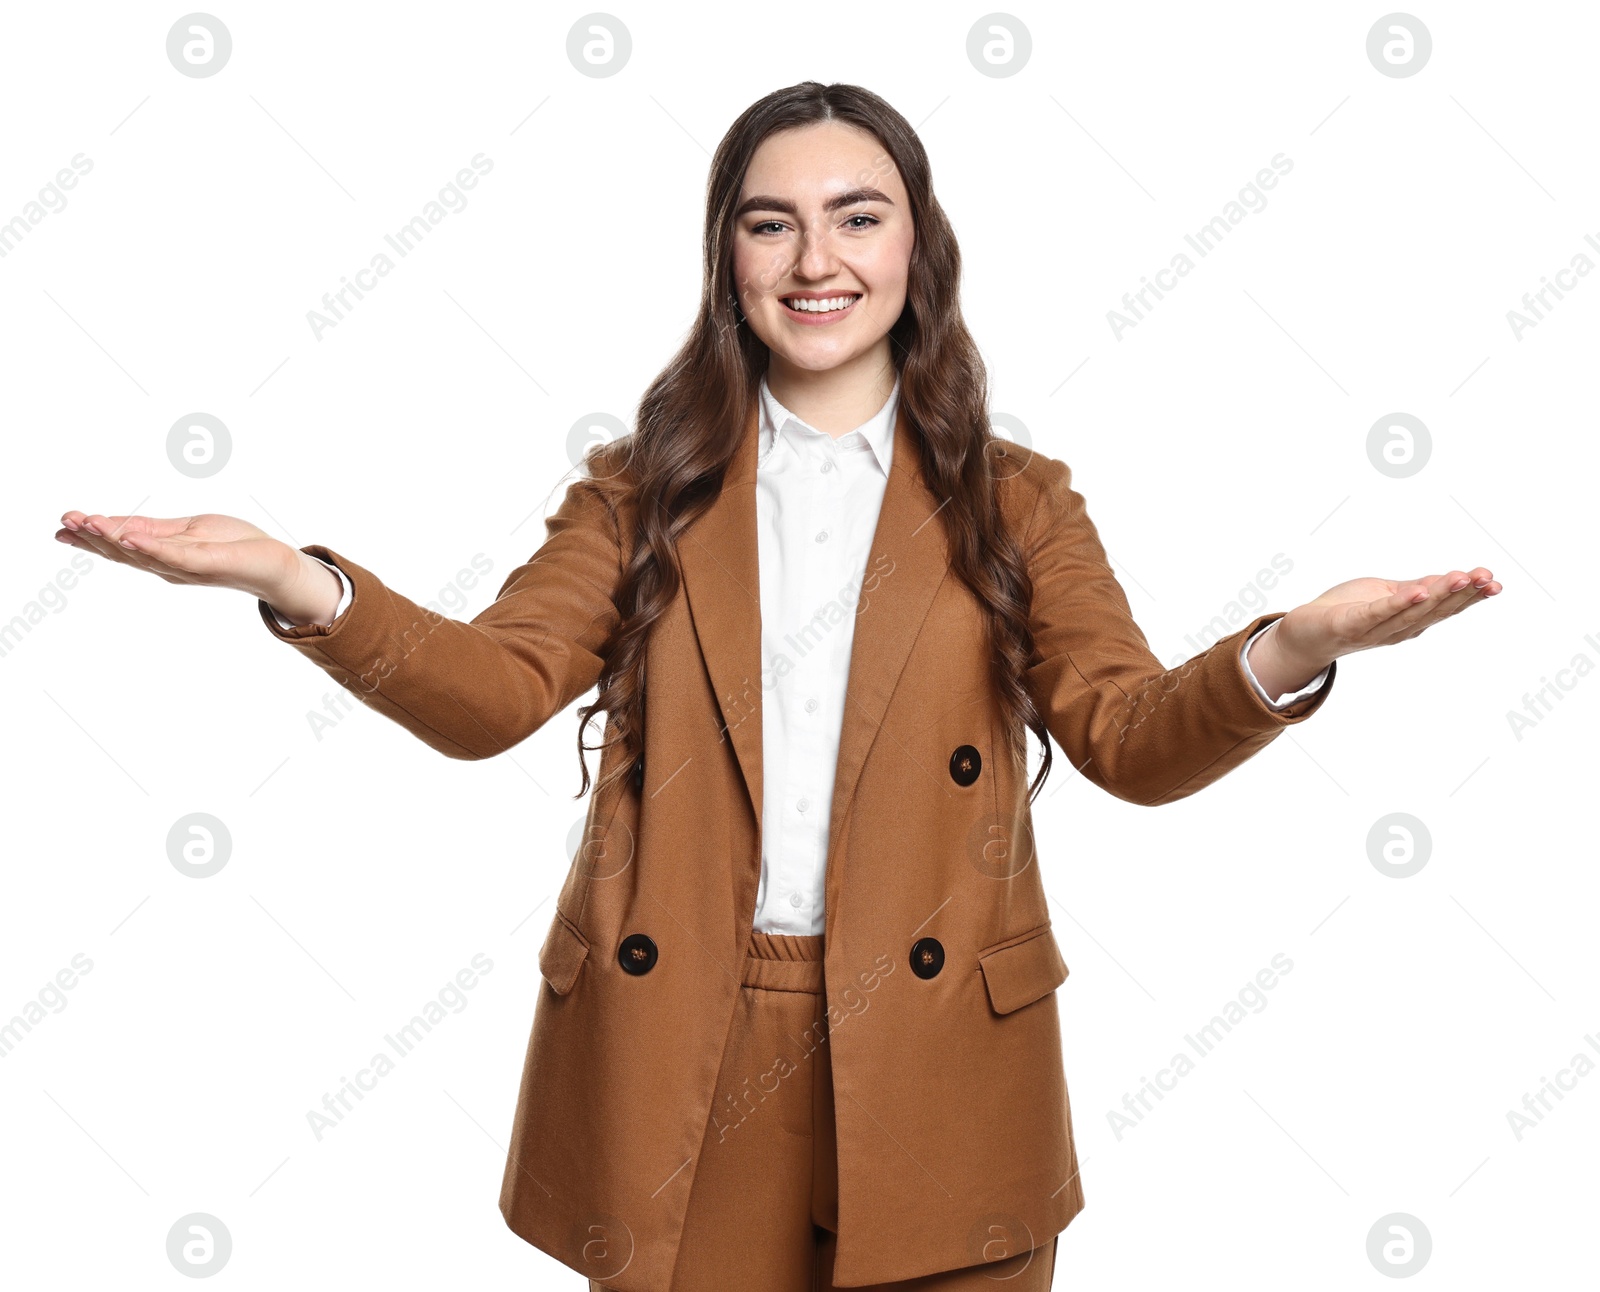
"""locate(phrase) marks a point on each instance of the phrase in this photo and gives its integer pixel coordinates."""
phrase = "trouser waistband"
(784, 962)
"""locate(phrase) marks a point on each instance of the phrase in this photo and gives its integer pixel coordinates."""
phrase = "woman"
(797, 1027)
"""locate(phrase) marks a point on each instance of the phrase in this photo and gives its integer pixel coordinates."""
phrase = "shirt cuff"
(349, 595)
(1283, 701)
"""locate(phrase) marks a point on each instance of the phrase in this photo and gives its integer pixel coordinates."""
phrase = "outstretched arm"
(470, 690)
(474, 689)
(1146, 733)
(1153, 735)
(1138, 729)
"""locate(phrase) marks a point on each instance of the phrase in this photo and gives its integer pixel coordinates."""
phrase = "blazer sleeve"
(1146, 733)
(474, 689)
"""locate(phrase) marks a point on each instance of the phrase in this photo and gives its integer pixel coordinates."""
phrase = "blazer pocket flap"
(562, 954)
(1022, 970)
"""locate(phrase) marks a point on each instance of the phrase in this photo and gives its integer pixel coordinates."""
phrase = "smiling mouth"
(829, 305)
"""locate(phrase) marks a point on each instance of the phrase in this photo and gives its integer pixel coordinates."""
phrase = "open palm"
(211, 550)
(1362, 613)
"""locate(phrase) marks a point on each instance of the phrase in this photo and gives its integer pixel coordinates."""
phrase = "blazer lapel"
(906, 563)
(721, 578)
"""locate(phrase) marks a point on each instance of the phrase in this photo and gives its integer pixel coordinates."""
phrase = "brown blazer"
(940, 961)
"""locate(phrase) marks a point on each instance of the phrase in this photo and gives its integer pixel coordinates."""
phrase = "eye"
(766, 224)
(872, 218)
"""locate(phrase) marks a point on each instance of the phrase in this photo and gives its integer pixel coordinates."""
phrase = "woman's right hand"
(214, 551)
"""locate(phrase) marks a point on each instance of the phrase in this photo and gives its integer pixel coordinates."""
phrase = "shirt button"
(822, 536)
(827, 466)
(803, 804)
(796, 900)
(811, 706)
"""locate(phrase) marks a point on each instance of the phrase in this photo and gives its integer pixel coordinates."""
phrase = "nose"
(818, 258)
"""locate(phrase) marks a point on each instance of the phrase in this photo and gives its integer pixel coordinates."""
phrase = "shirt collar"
(876, 433)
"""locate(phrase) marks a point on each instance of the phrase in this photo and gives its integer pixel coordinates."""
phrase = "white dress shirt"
(817, 504)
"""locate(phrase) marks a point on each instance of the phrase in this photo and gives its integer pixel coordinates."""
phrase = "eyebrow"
(765, 202)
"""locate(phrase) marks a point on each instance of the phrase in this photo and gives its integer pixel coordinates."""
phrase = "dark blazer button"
(965, 764)
(927, 957)
(637, 954)
(638, 775)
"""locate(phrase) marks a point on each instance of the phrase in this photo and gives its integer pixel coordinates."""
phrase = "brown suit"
(950, 1100)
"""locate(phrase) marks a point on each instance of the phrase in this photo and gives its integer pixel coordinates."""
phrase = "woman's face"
(822, 214)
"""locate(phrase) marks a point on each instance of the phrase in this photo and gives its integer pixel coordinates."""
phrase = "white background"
(430, 426)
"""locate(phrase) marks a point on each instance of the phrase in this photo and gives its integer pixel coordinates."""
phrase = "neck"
(834, 400)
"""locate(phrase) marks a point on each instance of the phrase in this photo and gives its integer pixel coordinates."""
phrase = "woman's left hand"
(1358, 615)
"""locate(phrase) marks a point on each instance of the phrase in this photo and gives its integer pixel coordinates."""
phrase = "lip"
(818, 320)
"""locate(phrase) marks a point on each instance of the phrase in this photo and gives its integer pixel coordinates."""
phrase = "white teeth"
(820, 307)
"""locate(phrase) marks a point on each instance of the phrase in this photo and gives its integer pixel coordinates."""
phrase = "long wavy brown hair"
(689, 419)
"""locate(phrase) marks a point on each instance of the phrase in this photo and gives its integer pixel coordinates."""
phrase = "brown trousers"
(763, 1210)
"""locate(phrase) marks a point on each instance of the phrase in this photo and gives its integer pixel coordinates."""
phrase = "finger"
(111, 527)
(160, 526)
(1479, 580)
(1445, 601)
(122, 539)
(1389, 617)
(91, 534)
(1480, 577)
(1441, 588)
(1462, 589)
(115, 527)
(118, 550)
(1467, 595)
(1461, 581)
